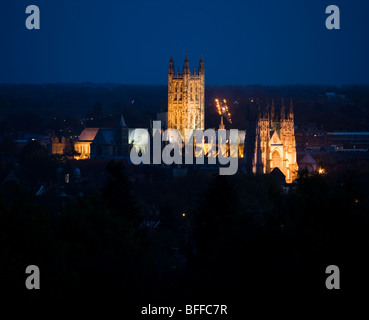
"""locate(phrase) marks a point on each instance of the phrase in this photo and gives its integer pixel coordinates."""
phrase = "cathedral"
(186, 97)
(268, 144)
(274, 143)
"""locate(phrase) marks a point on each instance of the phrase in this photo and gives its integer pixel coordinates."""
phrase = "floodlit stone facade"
(275, 145)
(186, 97)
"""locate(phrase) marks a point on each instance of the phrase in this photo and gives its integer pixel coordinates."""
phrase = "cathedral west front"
(275, 144)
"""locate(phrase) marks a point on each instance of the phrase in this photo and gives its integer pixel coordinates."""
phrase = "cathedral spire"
(201, 65)
(283, 114)
(265, 109)
(258, 157)
(171, 66)
(258, 110)
(122, 123)
(272, 112)
(291, 110)
(186, 66)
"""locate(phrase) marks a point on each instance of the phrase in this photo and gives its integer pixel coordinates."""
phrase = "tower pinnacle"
(201, 65)
(291, 110)
(122, 123)
(186, 66)
(272, 112)
(171, 66)
(283, 114)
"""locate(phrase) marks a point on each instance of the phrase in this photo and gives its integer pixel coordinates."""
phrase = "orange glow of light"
(223, 109)
(321, 171)
(183, 214)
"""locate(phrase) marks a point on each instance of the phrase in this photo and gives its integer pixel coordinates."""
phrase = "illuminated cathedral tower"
(186, 97)
(275, 144)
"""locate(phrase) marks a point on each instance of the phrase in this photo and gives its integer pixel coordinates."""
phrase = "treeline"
(41, 108)
(242, 231)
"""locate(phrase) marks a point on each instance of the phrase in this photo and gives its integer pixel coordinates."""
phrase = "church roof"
(274, 137)
(105, 136)
(307, 159)
(108, 135)
(122, 123)
(88, 134)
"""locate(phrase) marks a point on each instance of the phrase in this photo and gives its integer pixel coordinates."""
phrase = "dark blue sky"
(243, 42)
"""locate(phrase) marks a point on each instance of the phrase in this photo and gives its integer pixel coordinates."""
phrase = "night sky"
(130, 42)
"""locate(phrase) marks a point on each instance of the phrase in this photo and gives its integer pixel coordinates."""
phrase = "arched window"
(276, 158)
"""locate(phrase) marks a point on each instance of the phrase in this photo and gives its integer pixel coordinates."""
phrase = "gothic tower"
(186, 97)
(275, 144)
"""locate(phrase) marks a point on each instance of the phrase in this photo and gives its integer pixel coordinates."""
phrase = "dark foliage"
(242, 233)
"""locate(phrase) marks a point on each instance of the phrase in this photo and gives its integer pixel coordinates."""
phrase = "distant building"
(186, 98)
(58, 145)
(353, 141)
(83, 144)
(334, 96)
(308, 163)
(310, 138)
(103, 143)
(22, 138)
(270, 141)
